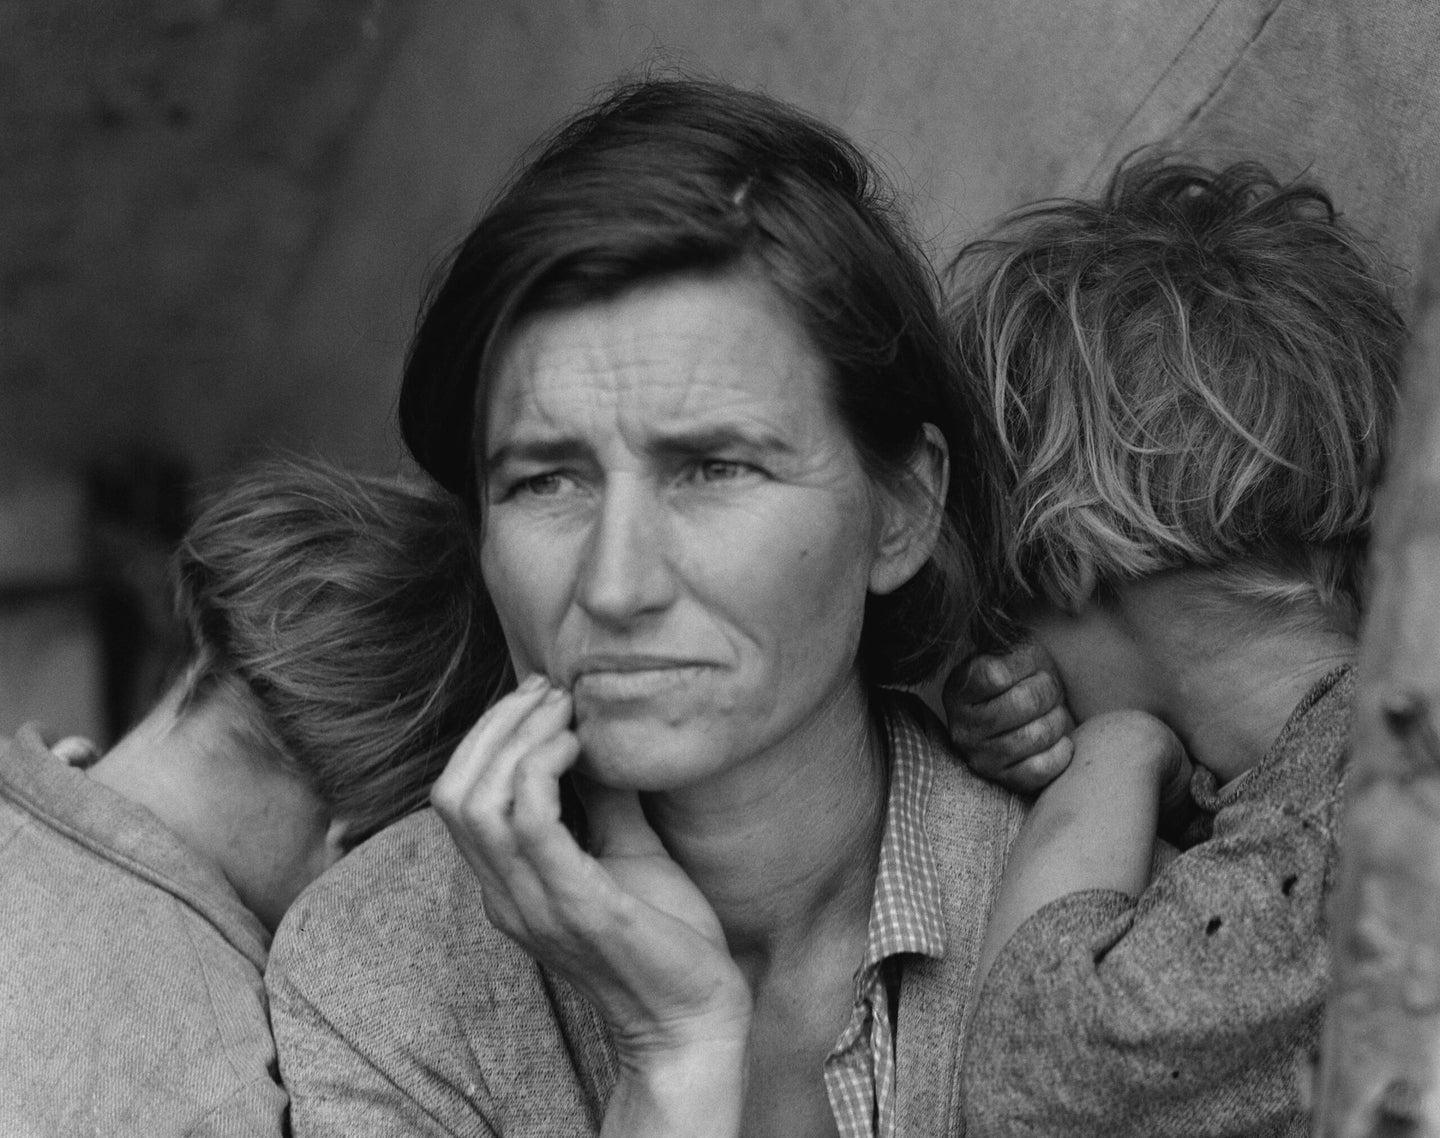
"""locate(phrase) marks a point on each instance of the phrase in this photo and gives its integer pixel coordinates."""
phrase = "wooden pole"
(1379, 1073)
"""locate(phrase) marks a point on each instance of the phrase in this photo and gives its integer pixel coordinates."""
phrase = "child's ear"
(337, 840)
(911, 514)
(1086, 594)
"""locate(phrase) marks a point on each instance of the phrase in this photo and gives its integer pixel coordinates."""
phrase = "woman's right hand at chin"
(623, 924)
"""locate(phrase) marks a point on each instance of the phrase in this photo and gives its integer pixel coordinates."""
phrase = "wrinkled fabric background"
(220, 215)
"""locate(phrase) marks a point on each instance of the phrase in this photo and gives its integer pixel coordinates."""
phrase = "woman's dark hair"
(677, 176)
(344, 617)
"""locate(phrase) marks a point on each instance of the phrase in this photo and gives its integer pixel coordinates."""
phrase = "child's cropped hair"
(1197, 369)
(343, 615)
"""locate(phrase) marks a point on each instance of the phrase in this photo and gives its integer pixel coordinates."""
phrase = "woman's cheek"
(516, 624)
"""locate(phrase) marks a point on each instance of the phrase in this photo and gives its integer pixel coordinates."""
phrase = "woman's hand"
(625, 926)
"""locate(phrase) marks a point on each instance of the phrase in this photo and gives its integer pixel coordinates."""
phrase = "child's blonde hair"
(1196, 369)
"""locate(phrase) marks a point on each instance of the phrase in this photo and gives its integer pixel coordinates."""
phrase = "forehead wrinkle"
(538, 388)
(661, 374)
(561, 391)
(718, 392)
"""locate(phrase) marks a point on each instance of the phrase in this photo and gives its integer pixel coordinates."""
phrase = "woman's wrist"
(696, 1088)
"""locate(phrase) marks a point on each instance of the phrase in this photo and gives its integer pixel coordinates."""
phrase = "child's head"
(343, 617)
(1196, 369)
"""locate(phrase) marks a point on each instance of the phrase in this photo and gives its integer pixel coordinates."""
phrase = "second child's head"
(1196, 369)
(340, 618)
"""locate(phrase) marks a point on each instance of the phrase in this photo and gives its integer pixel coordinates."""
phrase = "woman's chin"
(641, 755)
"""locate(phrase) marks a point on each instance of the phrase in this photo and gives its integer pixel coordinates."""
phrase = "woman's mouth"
(634, 680)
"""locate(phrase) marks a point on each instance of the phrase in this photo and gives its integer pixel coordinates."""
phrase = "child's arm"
(1093, 827)
(1184, 1009)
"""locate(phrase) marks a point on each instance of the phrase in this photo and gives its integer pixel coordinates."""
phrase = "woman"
(334, 661)
(690, 376)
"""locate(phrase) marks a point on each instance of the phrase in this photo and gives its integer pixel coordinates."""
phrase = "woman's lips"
(634, 680)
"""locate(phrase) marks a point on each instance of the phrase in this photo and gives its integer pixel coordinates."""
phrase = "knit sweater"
(399, 1010)
(131, 999)
(1189, 1010)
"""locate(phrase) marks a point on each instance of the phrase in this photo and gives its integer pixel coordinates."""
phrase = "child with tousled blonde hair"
(1194, 377)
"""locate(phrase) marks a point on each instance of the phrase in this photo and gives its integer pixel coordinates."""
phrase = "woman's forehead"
(688, 355)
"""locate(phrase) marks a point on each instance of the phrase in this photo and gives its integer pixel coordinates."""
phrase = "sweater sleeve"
(1185, 1011)
(399, 1010)
(368, 998)
(339, 1085)
(257, 1108)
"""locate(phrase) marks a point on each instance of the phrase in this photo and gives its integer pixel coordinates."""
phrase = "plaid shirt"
(905, 917)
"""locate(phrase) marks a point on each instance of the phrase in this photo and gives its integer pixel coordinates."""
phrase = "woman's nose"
(626, 571)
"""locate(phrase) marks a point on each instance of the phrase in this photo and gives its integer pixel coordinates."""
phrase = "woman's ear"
(911, 513)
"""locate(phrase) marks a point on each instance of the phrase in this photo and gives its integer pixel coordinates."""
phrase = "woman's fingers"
(546, 856)
(501, 803)
(626, 926)
(501, 789)
(535, 779)
(478, 782)
(480, 743)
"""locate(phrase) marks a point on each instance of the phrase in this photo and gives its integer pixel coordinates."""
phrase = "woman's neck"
(788, 858)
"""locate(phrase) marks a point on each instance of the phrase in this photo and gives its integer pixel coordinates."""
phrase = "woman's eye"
(539, 485)
(718, 470)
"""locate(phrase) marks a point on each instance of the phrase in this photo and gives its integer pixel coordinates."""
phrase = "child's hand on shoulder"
(1008, 717)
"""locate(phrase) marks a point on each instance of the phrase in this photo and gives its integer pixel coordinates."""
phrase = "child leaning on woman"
(1195, 379)
(337, 651)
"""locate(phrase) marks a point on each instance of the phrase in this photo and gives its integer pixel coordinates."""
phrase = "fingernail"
(532, 682)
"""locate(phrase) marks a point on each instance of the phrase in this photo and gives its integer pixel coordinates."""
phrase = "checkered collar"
(907, 913)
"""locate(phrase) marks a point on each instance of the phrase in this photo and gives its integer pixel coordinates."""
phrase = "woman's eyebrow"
(684, 443)
(710, 439)
(557, 449)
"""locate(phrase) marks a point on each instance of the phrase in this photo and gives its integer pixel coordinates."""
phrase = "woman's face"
(678, 528)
